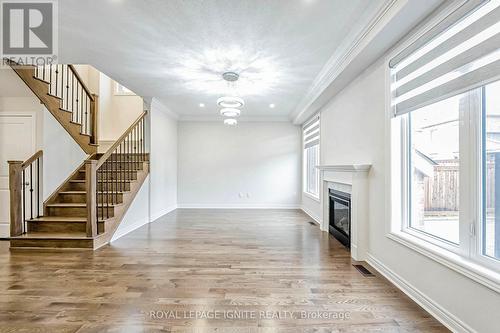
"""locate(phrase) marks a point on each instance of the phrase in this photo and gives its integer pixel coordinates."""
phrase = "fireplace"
(340, 216)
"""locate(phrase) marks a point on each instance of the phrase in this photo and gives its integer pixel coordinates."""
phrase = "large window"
(311, 131)
(491, 172)
(435, 170)
(445, 128)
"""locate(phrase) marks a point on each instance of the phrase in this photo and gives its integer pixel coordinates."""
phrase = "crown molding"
(218, 118)
(363, 168)
(343, 56)
(157, 103)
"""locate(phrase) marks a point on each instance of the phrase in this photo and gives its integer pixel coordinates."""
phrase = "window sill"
(466, 267)
(311, 196)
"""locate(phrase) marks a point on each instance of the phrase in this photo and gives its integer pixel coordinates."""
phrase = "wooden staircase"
(64, 94)
(87, 208)
(65, 218)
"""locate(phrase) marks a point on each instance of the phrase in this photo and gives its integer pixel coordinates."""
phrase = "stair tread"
(51, 95)
(53, 235)
(62, 219)
(84, 192)
(58, 219)
(64, 204)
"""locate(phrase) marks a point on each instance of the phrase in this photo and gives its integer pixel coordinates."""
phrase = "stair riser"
(67, 211)
(82, 198)
(53, 243)
(60, 227)
(76, 211)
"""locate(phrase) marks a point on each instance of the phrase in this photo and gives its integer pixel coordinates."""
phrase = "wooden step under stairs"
(66, 97)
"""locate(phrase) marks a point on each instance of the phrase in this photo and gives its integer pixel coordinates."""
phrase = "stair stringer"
(53, 104)
(120, 211)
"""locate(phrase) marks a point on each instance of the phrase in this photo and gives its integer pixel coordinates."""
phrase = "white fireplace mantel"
(354, 177)
(346, 167)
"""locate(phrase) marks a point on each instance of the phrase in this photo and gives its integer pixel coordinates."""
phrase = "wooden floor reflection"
(204, 271)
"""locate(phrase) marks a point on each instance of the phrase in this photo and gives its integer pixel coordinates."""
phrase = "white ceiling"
(176, 50)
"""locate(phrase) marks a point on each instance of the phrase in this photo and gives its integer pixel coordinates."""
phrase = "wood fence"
(441, 191)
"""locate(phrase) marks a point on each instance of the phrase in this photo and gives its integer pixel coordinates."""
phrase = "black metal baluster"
(110, 188)
(82, 111)
(38, 187)
(84, 115)
(122, 176)
(135, 148)
(140, 143)
(77, 106)
(84, 127)
(24, 200)
(97, 198)
(143, 139)
(127, 152)
(31, 190)
(112, 175)
(72, 95)
(67, 87)
(103, 191)
(50, 79)
(57, 80)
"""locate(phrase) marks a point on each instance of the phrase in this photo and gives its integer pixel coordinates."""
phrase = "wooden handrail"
(30, 160)
(18, 198)
(75, 72)
(110, 151)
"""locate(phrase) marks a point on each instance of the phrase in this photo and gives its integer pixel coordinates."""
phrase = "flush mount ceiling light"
(230, 112)
(230, 122)
(230, 76)
(230, 102)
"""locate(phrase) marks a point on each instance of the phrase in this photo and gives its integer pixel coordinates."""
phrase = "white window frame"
(467, 258)
(305, 169)
(117, 91)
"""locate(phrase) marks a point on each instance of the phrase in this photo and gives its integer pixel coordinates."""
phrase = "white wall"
(62, 155)
(116, 113)
(259, 160)
(137, 214)
(163, 160)
(353, 131)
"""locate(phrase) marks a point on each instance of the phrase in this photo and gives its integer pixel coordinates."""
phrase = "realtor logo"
(29, 31)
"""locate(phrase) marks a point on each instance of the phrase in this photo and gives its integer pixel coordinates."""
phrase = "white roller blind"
(311, 132)
(460, 53)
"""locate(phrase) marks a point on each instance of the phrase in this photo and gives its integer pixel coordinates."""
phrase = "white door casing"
(17, 142)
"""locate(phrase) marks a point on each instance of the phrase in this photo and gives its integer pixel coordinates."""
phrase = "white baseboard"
(315, 217)
(165, 211)
(239, 206)
(4, 230)
(438, 312)
(128, 229)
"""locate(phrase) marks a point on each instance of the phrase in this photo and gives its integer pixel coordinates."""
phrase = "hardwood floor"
(204, 271)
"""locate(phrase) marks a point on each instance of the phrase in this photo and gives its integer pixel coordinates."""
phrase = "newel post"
(91, 188)
(94, 111)
(16, 199)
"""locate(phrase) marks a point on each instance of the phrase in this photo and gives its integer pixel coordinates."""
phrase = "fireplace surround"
(354, 180)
